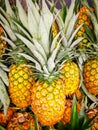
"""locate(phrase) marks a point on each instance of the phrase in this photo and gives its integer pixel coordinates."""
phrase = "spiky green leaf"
(35, 10)
(4, 96)
(36, 122)
(2, 128)
(69, 14)
(71, 26)
(43, 36)
(32, 24)
(4, 76)
(74, 116)
(22, 14)
(8, 8)
(63, 11)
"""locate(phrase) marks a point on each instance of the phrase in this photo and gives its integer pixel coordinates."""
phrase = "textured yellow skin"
(3, 45)
(48, 101)
(71, 77)
(20, 83)
(83, 18)
(90, 74)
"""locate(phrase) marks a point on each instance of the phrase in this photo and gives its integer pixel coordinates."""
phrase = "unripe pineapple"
(4, 119)
(83, 18)
(71, 77)
(90, 75)
(91, 113)
(20, 83)
(21, 120)
(3, 45)
(48, 101)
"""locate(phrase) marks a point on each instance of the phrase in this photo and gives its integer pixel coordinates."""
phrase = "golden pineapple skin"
(90, 76)
(71, 77)
(3, 44)
(83, 18)
(21, 120)
(48, 101)
(20, 83)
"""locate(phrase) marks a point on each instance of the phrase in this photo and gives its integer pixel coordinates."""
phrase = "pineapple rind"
(71, 77)
(20, 83)
(48, 101)
(90, 74)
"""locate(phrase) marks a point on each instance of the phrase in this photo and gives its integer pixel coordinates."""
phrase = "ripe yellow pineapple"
(71, 77)
(90, 75)
(20, 83)
(48, 98)
(3, 45)
(48, 101)
(83, 18)
(69, 71)
(21, 120)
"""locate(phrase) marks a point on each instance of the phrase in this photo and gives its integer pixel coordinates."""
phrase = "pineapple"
(48, 98)
(90, 66)
(90, 76)
(67, 113)
(83, 18)
(91, 113)
(22, 120)
(78, 119)
(48, 101)
(71, 77)
(20, 83)
(79, 95)
(41, 105)
(4, 119)
(3, 44)
(20, 74)
(70, 71)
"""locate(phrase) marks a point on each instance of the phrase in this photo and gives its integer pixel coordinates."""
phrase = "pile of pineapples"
(49, 66)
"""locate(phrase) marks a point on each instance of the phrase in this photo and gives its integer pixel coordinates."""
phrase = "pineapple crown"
(66, 20)
(32, 29)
